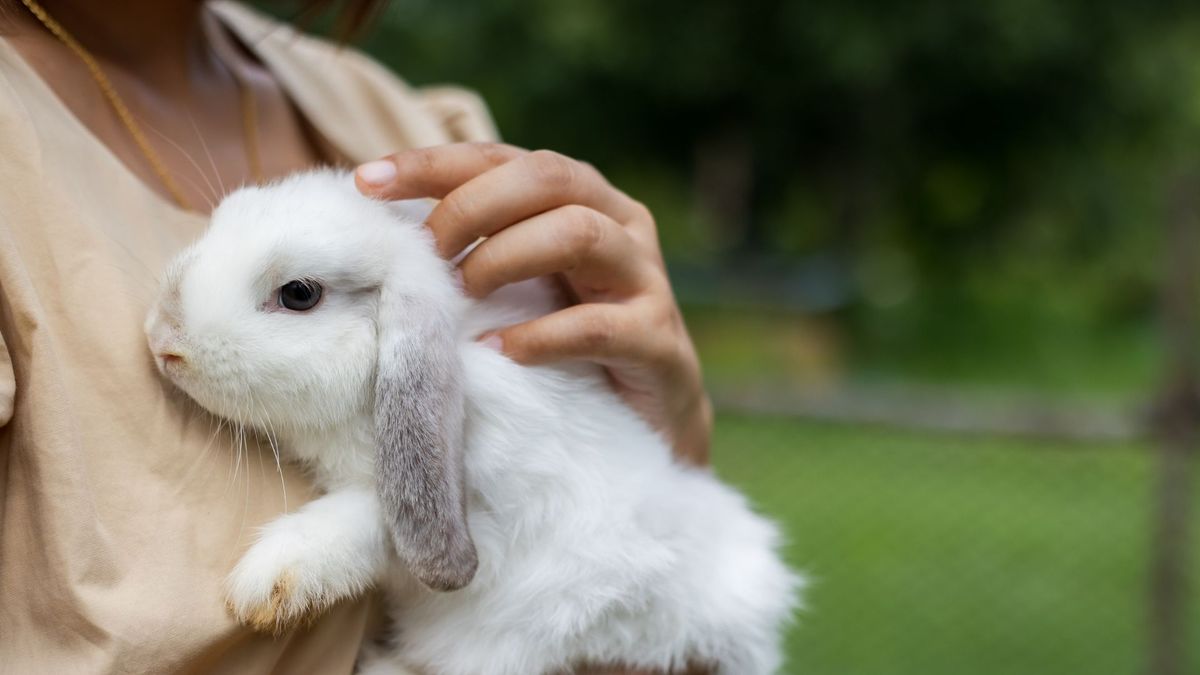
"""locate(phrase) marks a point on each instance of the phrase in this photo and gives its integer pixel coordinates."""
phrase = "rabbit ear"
(419, 434)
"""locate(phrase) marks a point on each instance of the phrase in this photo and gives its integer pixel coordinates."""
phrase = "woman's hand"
(543, 214)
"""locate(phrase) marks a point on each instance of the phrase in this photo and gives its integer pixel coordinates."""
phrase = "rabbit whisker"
(211, 163)
(213, 196)
(272, 438)
(205, 452)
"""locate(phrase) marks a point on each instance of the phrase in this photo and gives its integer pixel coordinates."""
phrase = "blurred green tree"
(926, 168)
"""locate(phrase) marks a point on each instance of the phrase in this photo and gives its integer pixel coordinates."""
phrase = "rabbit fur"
(518, 520)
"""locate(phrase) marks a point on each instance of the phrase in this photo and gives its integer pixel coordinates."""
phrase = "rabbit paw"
(274, 588)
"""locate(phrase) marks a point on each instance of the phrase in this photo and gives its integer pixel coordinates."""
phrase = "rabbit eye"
(299, 296)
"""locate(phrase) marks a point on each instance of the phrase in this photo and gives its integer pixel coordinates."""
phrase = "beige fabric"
(122, 507)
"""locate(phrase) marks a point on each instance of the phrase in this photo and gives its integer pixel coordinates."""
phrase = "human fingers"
(597, 256)
(519, 189)
(431, 172)
(607, 333)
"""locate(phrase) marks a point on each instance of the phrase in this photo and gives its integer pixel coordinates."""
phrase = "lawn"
(934, 554)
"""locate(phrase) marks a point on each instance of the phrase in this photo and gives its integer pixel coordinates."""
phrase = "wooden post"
(1177, 427)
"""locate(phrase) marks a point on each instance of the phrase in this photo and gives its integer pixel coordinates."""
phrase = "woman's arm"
(543, 214)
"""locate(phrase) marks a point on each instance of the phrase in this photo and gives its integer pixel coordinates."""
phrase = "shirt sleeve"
(461, 112)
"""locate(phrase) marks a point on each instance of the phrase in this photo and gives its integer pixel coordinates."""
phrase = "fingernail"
(493, 342)
(379, 172)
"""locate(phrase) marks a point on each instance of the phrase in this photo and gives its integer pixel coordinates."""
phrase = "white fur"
(593, 545)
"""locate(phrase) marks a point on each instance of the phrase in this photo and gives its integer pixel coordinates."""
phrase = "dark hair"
(349, 18)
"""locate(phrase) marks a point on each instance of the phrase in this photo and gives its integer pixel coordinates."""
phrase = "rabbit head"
(306, 307)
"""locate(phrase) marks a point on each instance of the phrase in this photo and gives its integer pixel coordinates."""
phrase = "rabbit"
(517, 520)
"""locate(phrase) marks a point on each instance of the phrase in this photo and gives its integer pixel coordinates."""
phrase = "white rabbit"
(551, 510)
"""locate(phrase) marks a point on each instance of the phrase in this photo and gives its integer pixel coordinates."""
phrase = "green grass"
(934, 554)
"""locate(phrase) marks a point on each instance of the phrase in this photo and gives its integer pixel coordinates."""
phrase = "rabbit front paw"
(276, 586)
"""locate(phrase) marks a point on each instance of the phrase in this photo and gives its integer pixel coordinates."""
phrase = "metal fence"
(944, 537)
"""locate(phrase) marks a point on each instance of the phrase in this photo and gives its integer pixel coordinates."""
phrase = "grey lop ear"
(419, 438)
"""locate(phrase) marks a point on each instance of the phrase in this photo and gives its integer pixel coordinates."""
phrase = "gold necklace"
(249, 112)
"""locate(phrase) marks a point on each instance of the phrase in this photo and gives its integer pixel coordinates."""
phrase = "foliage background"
(916, 172)
(946, 202)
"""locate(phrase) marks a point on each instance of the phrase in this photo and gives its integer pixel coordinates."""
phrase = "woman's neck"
(160, 42)
(184, 78)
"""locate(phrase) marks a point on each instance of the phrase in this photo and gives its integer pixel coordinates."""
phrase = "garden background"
(921, 247)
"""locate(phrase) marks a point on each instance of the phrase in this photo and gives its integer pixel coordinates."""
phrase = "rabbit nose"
(169, 358)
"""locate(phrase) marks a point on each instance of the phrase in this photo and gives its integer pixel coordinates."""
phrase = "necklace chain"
(249, 112)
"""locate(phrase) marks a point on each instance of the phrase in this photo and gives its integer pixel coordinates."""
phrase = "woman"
(120, 123)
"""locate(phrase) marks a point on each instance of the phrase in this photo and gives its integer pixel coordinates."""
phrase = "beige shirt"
(122, 508)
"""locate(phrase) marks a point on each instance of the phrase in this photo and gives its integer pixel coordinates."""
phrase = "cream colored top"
(121, 507)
